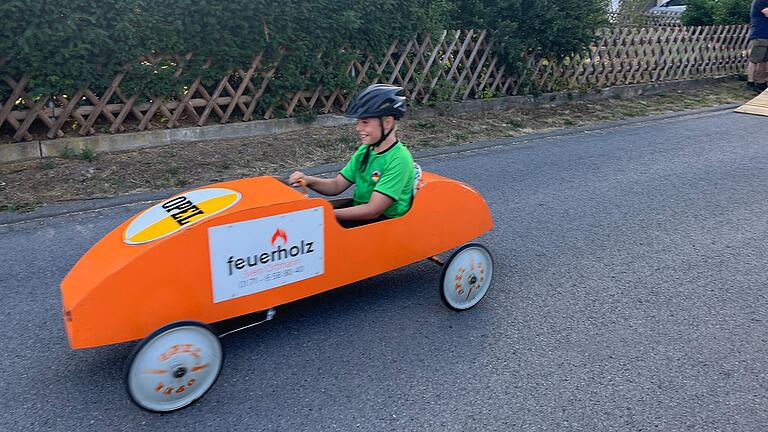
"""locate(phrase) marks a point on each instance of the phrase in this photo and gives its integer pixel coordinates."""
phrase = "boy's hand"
(296, 177)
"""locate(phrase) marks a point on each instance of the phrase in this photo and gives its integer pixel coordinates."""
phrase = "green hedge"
(716, 12)
(66, 46)
(552, 27)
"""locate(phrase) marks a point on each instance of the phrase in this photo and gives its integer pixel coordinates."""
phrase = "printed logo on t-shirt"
(375, 176)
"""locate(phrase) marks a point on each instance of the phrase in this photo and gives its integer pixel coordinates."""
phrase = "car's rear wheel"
(466, 276)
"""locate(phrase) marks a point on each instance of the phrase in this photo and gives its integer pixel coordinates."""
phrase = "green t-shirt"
(390, 172)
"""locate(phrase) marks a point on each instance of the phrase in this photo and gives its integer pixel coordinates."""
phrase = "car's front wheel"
(174, 366)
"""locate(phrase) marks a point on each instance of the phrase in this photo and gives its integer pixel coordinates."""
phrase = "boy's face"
(369, 129)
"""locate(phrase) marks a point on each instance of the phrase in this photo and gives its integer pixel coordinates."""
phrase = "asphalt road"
(630, 294)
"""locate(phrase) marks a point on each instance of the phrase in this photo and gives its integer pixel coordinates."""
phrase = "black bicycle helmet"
(378, 100)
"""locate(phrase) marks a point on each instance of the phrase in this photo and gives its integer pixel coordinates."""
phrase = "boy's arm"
(324, 186)
(371, 210)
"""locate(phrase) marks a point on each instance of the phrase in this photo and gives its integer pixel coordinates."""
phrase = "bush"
(698, 13)
(551, 28)
(716, 12)
(729, 12)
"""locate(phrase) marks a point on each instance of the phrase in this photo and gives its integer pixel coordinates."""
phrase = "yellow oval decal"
(177, 213)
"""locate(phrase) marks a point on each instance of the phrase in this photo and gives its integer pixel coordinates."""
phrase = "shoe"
(757, 87)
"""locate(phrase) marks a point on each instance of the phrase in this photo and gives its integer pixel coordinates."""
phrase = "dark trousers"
(357, 223)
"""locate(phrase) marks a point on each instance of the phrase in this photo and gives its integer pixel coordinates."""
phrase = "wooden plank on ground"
(757, 106)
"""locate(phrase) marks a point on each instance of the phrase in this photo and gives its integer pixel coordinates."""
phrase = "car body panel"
(119, 291)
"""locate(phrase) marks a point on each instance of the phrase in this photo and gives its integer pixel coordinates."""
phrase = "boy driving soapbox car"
(245, 246)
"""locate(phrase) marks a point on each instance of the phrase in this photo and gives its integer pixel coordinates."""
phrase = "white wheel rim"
(467, 277)
(175, 368)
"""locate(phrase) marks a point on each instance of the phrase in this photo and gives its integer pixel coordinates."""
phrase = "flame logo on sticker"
(177, 213)
(279, 234)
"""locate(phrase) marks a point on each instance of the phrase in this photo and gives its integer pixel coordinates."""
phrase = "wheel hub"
(179, 372)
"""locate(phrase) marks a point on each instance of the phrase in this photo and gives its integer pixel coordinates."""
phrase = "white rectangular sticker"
(261, 254)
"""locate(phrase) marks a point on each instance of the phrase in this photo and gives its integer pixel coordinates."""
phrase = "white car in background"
(670, 6)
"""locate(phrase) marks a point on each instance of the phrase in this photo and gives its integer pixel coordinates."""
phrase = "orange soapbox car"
(170, 274)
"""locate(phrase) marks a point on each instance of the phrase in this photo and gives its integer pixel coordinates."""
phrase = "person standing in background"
(758, 45)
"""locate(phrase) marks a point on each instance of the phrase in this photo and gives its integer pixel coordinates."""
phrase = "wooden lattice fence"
(454, 66)
(644, 55)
